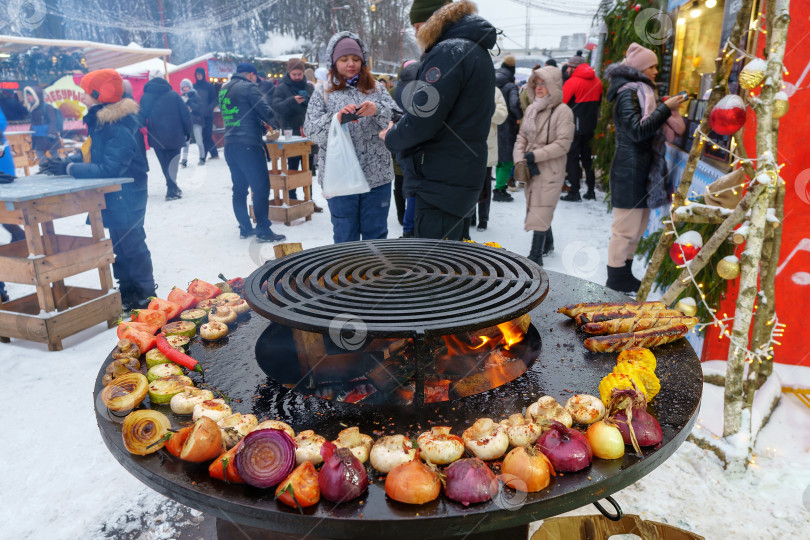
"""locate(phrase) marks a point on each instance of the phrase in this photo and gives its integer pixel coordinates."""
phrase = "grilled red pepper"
(176, 356)
(237, 284)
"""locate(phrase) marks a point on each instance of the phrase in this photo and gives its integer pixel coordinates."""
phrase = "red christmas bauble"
(685, 247)
(728, 116)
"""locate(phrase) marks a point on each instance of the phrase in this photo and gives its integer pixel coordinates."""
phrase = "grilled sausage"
(602, 316)
(644, 338)
(572, 310)
(636, 324)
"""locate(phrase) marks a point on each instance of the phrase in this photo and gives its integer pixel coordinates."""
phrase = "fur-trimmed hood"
(552, 76)
(337, 37)
(621, 74)
(444, 24)
(38, 94)
(109, 114)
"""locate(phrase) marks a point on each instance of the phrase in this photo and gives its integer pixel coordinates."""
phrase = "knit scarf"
(537, 106)
(354, 80)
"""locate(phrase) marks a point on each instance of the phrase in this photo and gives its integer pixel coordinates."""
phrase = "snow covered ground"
(62, 483)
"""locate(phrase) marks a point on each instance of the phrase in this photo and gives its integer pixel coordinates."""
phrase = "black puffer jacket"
(194, 107)
(165, 115)
(508, 130)
(635, 138)
(290, 113)
(116, 151)
(441, 140)
(207, 93)
(244, 111)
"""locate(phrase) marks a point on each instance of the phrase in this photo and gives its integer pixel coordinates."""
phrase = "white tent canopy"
(97, 55)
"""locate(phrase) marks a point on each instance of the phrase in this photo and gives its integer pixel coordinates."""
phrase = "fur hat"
(295, 63)
(421, 10)
(186, 83)
(103, 85)
(639, 57)
(509, 60)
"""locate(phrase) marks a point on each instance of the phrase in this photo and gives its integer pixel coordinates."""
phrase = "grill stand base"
(228, 530)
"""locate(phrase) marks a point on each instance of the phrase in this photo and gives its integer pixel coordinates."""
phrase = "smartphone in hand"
(345, 118)
(302, 93)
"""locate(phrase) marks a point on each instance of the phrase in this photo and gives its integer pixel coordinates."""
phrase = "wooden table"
(282, 208)
(45, 259)
(22, 149)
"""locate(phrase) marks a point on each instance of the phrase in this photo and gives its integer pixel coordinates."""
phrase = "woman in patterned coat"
(351, 88)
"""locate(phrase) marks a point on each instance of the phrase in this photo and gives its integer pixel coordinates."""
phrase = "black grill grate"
(398, 288)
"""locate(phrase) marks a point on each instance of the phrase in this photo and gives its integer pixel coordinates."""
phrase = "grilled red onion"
(470, 481)
(342, 476)
(267, 457)
(567, 449)
(628, 408)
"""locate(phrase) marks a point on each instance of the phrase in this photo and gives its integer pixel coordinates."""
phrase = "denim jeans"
(363, 216)
(249, 169)
(407, 219)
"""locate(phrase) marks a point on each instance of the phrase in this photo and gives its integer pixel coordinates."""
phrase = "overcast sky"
(546, 28)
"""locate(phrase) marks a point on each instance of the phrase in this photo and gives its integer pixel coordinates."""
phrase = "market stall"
(456, 292)
(688, 64)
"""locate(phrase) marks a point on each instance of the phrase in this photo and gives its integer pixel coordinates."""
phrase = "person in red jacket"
(583, 93)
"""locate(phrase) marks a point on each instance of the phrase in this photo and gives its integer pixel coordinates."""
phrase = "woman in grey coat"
(351, 89)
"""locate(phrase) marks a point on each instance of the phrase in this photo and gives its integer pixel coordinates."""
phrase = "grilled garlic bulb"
(486, 439)
(236, 426)
(276, 424)
(585, 409)
(358, 443)
(215, 409)
(308, 447)
(184, 402)
(521, 432)
(390, 451)
(439, 446)
(547, 408)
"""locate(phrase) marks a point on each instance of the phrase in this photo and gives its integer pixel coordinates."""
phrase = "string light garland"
(762, 353)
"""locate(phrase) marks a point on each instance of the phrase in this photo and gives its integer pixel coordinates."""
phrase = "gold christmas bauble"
(687, 306)
(728, 267)
(753, 74)
(780, 108)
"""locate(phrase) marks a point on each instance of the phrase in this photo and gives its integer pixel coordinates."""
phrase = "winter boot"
(538, 244)
(571, 196)
(590, 195)
(500, 195)
(549, 248)
(618, 280)
(482, 226)
(628, 269)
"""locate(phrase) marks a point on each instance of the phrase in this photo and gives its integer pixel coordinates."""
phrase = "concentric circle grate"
(397, 288)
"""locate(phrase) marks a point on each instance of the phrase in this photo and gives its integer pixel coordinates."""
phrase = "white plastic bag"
(343, 174)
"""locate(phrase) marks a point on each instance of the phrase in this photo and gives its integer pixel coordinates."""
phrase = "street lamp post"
(334, 9)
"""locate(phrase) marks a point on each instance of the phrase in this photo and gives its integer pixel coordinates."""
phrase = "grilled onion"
(143, 431)
(125, 392)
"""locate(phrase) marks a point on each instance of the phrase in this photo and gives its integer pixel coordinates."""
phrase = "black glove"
(529, 157)
(54, 166)
(534, 170)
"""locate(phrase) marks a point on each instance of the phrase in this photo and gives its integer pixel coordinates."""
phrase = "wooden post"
(778, 19)
(724, 64)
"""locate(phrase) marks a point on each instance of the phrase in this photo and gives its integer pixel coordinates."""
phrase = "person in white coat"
(498, 118)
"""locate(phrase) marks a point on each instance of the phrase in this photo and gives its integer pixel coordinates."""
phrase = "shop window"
(697, 44)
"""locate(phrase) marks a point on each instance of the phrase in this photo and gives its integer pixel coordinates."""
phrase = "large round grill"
(398, 288)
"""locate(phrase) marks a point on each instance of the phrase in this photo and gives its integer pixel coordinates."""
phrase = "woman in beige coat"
(545, 136)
